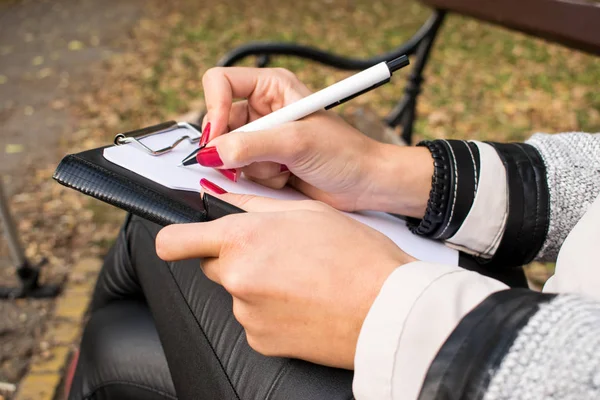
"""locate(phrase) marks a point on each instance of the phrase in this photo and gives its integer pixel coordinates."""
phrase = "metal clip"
(135, 136)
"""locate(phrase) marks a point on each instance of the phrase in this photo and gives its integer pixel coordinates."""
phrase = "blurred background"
(73, 73)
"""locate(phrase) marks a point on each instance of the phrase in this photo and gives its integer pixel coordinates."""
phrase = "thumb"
(281, 145)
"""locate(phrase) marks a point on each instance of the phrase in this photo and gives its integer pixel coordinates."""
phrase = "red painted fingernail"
(283, 168)
(205, 135)
(209, 157)
(211, 187)
(230, 174)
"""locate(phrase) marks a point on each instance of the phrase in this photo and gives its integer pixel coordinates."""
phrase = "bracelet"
(441, 183)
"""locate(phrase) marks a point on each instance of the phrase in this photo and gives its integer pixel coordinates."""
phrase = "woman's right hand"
(320, 155)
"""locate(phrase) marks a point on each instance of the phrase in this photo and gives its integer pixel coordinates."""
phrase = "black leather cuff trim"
(528, 205)
(463, 193)
(479, 343)
(475, 152)
(442, 184)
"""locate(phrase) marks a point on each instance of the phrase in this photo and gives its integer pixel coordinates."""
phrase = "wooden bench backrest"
(575, 24)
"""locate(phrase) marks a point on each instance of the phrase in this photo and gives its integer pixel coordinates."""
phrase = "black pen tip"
(191, 159)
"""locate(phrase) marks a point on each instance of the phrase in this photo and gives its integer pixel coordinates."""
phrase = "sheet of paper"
(164, 170)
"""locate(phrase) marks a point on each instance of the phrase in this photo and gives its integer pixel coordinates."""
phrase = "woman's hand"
(321, 155)
(302, 275)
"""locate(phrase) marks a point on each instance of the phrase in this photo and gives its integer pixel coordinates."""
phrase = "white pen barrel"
(321, 99)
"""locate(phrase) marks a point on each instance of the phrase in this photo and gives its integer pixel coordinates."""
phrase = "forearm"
(506, 203)
(401, 181)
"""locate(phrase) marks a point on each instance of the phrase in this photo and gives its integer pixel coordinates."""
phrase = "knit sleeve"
(573, 172)
(555, 356)
(521, 345)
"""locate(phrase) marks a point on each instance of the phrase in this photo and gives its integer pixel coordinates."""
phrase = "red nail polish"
(283, 168)
(211, 187)
(230, 174)
(209, 157)
(205, 135)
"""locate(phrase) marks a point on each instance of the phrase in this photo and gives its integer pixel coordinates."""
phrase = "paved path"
(46, 46)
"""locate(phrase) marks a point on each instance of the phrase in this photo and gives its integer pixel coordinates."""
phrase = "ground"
(47, 51)
(75, 72)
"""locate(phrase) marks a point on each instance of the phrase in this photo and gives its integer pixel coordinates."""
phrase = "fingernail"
(209, 157)
(211, 187)
(230, 174)
(283, 168)
(205, 135)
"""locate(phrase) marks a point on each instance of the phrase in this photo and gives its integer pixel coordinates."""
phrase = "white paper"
(164, 170)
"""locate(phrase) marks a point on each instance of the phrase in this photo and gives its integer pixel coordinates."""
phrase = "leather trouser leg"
(205, 347)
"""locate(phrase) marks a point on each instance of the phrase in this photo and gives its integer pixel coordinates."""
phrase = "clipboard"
(140, 174)
(90, 173)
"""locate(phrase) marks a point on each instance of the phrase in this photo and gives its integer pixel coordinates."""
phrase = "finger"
(276, 182)
(263, 170)
(221, 86)
(276, 88)
(205, 239)
(282, 145)
(211, 267)
(252, 203)
(305, 187)
(239, 115)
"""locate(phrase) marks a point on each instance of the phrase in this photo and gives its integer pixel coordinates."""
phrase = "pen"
(327, 98)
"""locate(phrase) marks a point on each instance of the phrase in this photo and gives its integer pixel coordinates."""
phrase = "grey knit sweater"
(557, 353)
(555, 356)
(573, 169)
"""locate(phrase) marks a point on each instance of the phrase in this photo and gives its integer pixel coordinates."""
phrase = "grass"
(482, 81)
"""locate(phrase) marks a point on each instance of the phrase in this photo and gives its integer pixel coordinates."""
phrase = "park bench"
(575, 24)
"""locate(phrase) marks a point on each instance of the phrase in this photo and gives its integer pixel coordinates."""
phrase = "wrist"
(399, 180)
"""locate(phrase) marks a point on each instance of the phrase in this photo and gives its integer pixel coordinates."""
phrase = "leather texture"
(207, 351)
(205, 347)
(217, 208)
(528, 205)
(90, 173)
(121, 356)
(463, 189)
(478, 344)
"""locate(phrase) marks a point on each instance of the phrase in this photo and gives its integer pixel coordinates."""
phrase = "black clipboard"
(90, 173)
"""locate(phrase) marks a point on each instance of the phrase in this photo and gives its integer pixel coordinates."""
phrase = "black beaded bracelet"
(440, 190)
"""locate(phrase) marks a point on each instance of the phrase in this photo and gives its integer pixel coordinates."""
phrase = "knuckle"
(239, 312)
(285, 74)
(235, 282)
(238, 149)
(258, 344)
(212, 73)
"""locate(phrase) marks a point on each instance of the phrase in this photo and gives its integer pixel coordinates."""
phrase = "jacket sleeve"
(439, 332)
(528, 197)
(572, 162)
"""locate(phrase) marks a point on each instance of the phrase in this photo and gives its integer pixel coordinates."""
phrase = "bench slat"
(575, 24)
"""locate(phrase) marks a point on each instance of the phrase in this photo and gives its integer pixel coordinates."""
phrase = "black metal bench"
(575, 24)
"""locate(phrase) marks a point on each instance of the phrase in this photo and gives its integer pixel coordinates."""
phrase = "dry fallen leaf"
(75, 45)
(13, 148)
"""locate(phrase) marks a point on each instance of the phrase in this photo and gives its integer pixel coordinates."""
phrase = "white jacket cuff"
(417, 308)
(482, 229)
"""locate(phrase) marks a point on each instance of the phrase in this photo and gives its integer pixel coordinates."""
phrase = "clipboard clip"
(135, 137)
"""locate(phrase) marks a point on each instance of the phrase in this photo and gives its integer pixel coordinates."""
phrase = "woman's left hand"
(302, 275)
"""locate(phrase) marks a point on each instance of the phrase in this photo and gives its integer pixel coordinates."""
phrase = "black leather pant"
(163, 330)
(141, 302)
